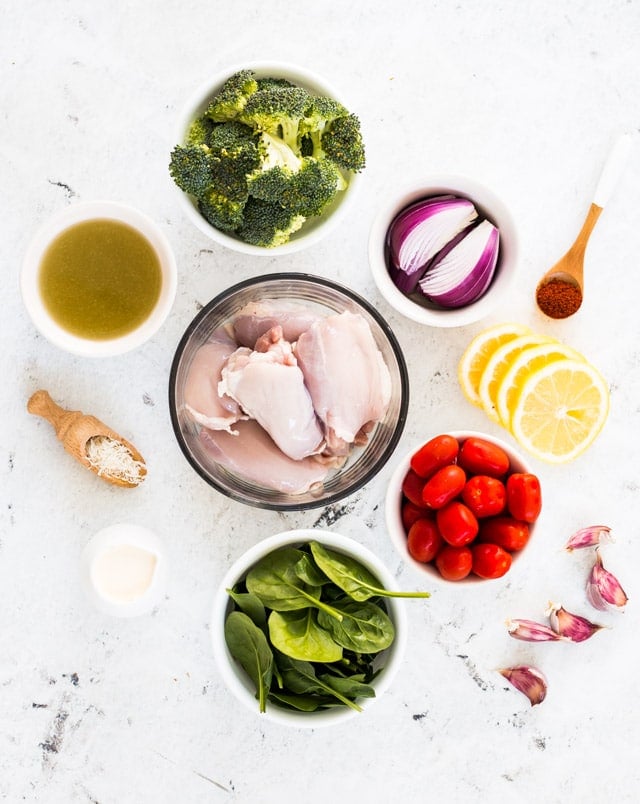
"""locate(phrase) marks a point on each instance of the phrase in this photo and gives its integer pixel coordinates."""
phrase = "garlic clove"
(589, 537)
(528, 680)
(571, 626)
(603, 588)
(531, 631)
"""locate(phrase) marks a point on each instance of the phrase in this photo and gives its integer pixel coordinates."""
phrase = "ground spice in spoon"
(558, 299)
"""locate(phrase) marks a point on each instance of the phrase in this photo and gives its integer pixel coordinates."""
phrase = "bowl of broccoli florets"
(267, 158)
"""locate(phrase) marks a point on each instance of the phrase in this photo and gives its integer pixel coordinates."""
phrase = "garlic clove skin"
(528, 680)
(589, 537)
(603, 588)
(531, 631)
(571, 626)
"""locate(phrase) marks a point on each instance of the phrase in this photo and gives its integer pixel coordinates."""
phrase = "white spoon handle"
(612, 170)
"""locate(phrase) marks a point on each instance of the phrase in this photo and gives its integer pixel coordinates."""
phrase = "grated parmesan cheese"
(111, 458)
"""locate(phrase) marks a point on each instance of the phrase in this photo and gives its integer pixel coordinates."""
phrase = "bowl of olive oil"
(99, 279)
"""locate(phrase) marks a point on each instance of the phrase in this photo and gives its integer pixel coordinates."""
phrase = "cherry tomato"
(424, 540)
(506, 532)
(440, 451)
(444, 486)
(490, 560)
(454, 563)
(480, 457)
(524, 497)
(457, 524)
(484, 495)
(410, 512)
(412, 486)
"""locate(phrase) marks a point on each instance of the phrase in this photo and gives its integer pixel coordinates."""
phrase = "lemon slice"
(476, 355)
(521, 367)
(498, 365)
(560, 410)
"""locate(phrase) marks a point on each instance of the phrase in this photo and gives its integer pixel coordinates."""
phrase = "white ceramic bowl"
(29, 278)
(393, 518)
(421, 310)
(234, 676)
(314, 229)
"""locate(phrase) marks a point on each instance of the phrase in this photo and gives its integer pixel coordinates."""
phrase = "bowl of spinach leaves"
(307, 627)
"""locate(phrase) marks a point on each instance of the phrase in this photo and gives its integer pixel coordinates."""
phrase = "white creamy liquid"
(123, 573)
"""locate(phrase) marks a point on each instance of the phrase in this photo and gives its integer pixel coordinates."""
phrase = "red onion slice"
(461, 274)
(420, 231)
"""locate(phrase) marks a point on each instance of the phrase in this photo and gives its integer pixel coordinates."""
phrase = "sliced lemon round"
(475, 357)
(497, 366)
(560, 410)
(524, 364)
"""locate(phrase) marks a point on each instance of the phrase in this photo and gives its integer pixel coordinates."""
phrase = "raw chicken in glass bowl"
(288, 392)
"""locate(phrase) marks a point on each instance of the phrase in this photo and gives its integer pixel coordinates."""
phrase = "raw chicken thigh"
(256, 318)
(270, 388)
(346, 375)
(254, 456)
(201, 397)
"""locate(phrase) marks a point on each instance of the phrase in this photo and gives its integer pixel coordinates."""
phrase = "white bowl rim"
(393, 519)
(55, 225)
(189, 110)
(423, 188)
(238, 569)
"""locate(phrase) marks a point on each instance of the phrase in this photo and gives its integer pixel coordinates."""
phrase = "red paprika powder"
(558, 299)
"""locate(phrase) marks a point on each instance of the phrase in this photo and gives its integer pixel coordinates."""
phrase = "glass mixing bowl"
(326, 297)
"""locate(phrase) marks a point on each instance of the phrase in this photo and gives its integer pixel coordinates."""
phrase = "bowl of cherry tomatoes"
(462, 507)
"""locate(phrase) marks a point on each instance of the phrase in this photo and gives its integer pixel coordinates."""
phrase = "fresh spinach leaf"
(300, 677)
(248, 644)
(304, 703)
(308, 571)
(275, 582)
(364, 628)
(251, 605)
(297, 634)
(353, 686)
(351, 576)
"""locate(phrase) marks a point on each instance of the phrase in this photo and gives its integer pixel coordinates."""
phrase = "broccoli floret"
(305, 191)
(232, 97)
(221, 212)
(277, 111)
(342, 142)
(319, 113)
(199, 132)
(270, 83)
(190, 168)
(267, 224)
(232, 136)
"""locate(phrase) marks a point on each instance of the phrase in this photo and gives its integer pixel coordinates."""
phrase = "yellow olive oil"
(100, 279)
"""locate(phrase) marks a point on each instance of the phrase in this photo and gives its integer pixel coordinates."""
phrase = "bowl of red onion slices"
(443, 252)
(288, 392)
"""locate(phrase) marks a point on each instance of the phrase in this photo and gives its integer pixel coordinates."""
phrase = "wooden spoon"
(559, 293)
(75, 429)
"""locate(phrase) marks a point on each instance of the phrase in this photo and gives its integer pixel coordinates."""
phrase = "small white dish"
(49, 231)
(124, 570)
(314, 229)
(234, 676)
(423, 312)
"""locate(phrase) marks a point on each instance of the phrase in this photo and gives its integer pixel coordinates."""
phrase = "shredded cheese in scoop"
(112, 458)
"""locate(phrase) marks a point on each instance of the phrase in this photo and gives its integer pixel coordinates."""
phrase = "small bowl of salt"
(124, 570)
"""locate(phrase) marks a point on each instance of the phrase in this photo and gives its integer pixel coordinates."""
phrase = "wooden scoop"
(75, 429)
(563, 296)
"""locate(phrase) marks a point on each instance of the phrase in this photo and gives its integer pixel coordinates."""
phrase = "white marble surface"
(525, 97)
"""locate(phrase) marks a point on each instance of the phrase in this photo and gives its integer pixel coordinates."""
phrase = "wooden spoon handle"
(41, 404)
(613, 168)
